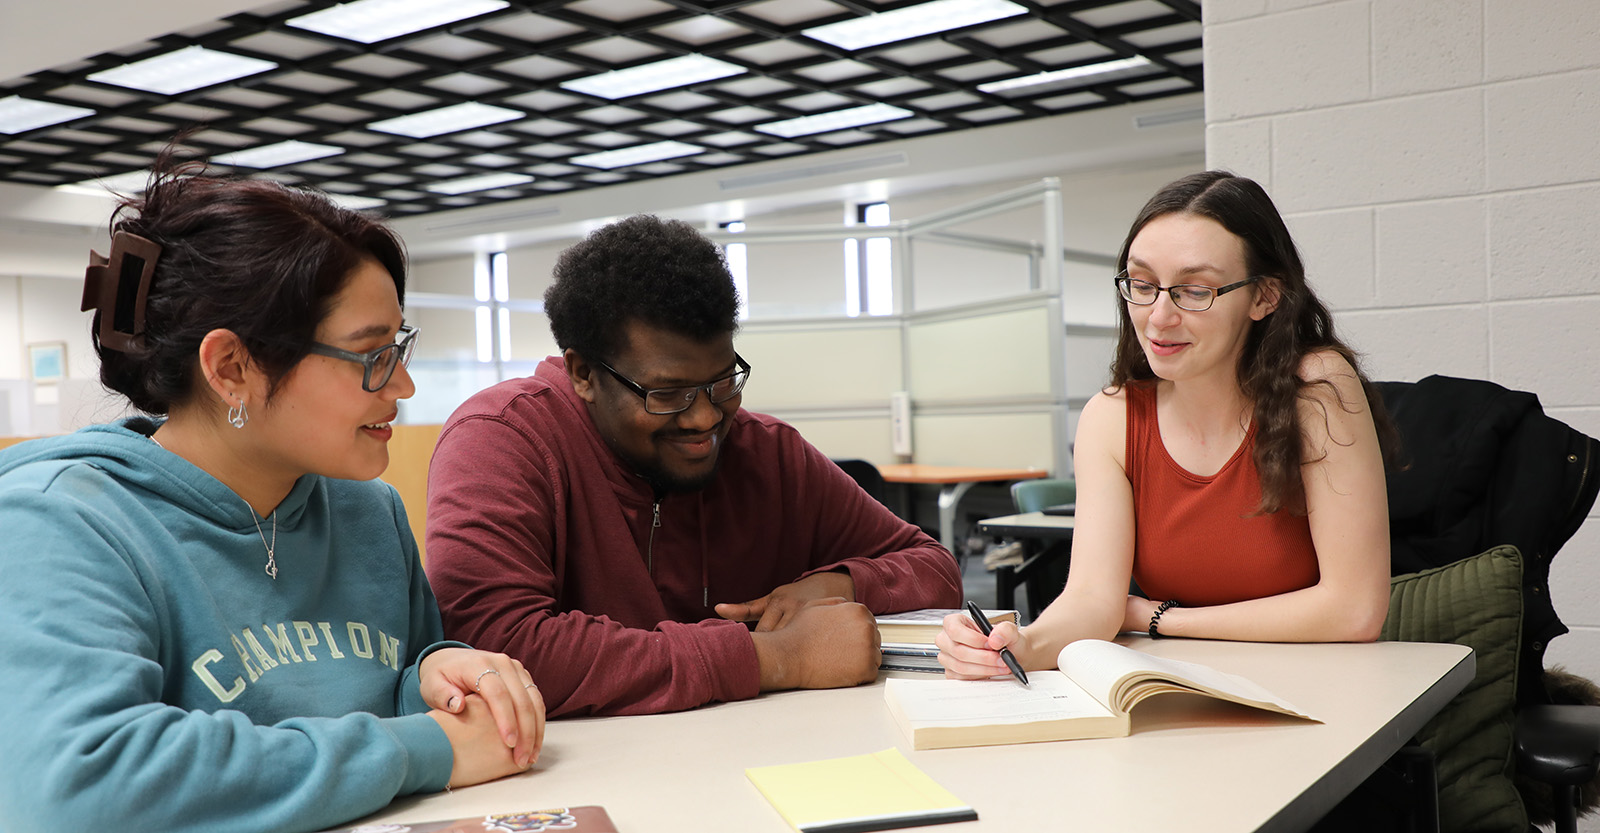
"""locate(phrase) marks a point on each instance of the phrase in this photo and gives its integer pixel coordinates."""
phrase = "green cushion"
(1475, 602)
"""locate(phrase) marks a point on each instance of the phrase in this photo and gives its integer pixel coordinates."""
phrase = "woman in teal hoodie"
(214, 618)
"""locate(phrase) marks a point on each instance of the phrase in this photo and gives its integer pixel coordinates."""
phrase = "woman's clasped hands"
(490, 710)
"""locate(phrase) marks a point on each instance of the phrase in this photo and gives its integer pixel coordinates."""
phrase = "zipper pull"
(650, 548)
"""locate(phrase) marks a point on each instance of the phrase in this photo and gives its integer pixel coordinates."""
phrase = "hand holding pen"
(1005, 653)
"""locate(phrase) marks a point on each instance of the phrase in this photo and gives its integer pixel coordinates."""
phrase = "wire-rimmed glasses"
(1192, 297)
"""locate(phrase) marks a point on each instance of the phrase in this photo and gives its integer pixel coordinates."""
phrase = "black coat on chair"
(1481, 465)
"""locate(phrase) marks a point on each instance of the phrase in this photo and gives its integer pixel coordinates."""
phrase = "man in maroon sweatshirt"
(641, 543)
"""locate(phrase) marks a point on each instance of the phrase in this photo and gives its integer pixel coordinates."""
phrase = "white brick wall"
(1439, 164)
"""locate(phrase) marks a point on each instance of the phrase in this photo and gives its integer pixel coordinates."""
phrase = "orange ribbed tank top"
(1197, 539)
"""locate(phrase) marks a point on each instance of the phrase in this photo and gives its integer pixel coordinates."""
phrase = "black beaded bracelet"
(1155, 620)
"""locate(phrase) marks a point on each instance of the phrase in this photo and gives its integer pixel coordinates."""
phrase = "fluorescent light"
(452, 119)
(370, 21)
(1123, 66)
(836, 120)
(282, 153)
(131, 182)
(19, 115)
(354, 202)
(649, 78)
(912, 22)
(637, 155)
(183, 70)
(469, 184)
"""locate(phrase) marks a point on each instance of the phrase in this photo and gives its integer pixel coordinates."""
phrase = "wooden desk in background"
(1191, 764)
(954, 483)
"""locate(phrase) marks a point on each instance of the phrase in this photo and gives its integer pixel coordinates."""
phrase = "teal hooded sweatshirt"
(157, 678)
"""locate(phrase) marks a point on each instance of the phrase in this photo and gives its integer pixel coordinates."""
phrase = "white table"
(1052, 535)
(1191, 764)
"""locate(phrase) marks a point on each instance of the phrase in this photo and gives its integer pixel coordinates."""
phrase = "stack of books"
(907, 638)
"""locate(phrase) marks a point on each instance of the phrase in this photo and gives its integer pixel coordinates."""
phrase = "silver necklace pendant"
(272, 563)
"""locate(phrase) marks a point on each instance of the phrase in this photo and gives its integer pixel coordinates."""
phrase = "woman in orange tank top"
(1233, 467)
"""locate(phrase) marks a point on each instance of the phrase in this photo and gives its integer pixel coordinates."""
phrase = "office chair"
(868, 477)
(1481, 466)
(1043, 571)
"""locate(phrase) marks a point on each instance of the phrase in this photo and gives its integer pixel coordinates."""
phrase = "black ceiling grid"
(328, 90)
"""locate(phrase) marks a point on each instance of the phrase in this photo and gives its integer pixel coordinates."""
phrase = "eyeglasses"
(380, 363)
(664, 401)
(1188, 296)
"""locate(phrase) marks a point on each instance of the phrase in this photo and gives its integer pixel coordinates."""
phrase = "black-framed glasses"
(378, 364)
(1193, 297)
(665, 401)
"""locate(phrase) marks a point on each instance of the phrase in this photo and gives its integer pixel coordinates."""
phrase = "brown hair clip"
(118, 286)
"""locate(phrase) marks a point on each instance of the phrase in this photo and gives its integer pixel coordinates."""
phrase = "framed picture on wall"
(47, 361)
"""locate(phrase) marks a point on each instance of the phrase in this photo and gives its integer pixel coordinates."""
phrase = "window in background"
(739, 267)
(490, 288)
(868, 268)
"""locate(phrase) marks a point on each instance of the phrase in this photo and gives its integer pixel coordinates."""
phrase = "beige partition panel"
(1003, 440)
(848, 438)
(988, 356)
(982, 391)
(828, 366)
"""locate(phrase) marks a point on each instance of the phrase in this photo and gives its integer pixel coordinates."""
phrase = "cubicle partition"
(975, 344)
(976, 341)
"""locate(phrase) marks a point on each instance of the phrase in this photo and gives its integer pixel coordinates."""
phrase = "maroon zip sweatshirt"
(543, 544)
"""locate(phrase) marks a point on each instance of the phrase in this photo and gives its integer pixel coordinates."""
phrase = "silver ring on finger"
(477, 685)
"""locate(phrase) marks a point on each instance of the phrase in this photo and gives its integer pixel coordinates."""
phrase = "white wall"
(1437, 163)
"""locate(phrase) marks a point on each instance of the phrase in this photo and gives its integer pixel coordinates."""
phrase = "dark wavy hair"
(661, 272)
(1269, 365)
(261, 259)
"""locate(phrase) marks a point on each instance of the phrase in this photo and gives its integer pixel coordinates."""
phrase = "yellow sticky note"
(860, 793)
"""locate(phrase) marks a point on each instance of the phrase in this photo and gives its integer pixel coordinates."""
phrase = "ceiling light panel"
(637, 155)
(912, 22)
(1044, 81)
(278, 155)
(649, 78)
(186, 69)
(371, 21)
(836, 120)
(131, 182)
(319, 105)
(467, 185)
(355, 203)
(19, 115)
(452, 119)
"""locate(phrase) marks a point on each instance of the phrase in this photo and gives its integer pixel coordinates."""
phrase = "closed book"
(921, 626)
(1092, 696)
(910, 656)
(590, 819)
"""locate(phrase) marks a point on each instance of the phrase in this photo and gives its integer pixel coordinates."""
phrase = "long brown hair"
(1269, 365)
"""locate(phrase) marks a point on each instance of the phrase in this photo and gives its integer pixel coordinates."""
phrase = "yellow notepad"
(880, 791)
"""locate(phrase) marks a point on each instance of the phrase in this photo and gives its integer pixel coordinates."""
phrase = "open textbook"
(1092, 696)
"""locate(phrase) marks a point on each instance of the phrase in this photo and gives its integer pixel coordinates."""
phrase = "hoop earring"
(238, 416)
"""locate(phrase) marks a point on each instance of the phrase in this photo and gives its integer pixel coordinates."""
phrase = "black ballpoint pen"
(1005, 653)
